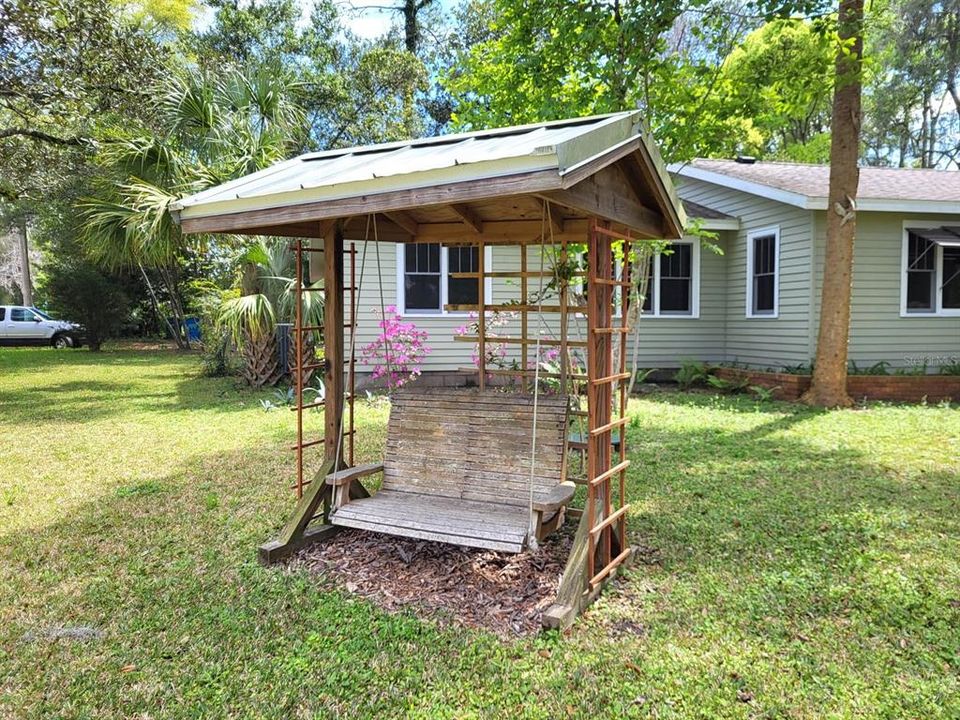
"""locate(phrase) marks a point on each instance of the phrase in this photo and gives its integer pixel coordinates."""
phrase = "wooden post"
(482, 316)
(524, 328)
(333, 340)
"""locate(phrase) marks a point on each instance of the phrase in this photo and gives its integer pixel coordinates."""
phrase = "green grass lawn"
(807, 565)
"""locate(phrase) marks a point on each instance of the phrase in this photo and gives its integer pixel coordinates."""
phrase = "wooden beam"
(608, 195)
(333, 342)
(404, 220)
(452, 193)
(498, 232)
(469, 217)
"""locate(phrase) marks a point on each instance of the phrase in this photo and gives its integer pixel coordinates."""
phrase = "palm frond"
(253, 314)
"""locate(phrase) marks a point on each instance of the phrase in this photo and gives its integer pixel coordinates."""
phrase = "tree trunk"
(829, 384)
(26, 285)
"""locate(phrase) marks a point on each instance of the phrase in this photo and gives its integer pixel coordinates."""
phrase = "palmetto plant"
(210, 129)
(268, 287)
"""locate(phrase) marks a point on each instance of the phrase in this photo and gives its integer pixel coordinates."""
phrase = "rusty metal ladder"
(300, 331)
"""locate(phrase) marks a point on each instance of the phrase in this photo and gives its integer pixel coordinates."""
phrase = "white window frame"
(654, 312)
(694, 313)
(938, 309)
(444, 279)
(751, 236)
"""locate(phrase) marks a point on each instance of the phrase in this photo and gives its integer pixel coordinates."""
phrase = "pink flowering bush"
(496, 353)
(398, 352)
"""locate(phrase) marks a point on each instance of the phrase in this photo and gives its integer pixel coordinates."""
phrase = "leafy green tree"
(268, 297)
(778, 82)
(558, 58)
(912, 93)
(213, 129)
(80, 292)
(71, 72)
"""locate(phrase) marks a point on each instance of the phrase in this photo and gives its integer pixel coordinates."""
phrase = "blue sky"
(364, 17)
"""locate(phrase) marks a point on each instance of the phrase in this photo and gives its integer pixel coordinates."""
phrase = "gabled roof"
(527, 159)
(807, 186)
(709, 218)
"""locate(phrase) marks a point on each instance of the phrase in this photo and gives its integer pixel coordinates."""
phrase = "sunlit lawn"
(808, 566)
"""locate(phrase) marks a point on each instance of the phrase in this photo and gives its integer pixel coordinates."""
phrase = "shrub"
(398, 352)
(692, 373)
(81, 293)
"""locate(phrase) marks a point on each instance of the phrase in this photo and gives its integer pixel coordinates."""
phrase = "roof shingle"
(876, 183)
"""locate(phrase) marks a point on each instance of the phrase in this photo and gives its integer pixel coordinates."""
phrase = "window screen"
(676, 279)
(764, 269)
(463, 291)
(921, 274)
(421, 276)
(950, 299)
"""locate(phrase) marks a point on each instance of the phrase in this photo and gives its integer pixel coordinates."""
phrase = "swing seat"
(457, 470)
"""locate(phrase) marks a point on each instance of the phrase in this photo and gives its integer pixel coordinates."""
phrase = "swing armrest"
(345, 477)
(557, 498)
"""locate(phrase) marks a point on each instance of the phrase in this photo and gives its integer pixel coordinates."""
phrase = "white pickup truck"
(21, 325)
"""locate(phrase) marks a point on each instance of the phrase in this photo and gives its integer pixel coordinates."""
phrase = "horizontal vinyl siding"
(877, 332)
(763, 342)
(664, 342)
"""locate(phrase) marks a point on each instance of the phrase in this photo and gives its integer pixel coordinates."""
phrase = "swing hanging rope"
(545, 221)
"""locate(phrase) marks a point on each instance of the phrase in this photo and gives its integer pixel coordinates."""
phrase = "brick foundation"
(896, 388)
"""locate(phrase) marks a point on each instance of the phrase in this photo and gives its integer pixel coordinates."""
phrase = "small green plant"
(691, 373)
(728, 386)
(800, 369)
(763, 394)
(950, 369)
(643, 374)
(879, 368)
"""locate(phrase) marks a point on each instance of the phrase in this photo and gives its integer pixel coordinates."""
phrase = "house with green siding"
(750, 295)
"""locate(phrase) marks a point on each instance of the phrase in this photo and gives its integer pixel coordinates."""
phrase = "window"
(673, 288)
(19, 314)
(3, 313)
(424, 285)
(930, 283)
(763, 273)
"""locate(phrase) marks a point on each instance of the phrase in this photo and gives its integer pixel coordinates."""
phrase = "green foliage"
(556, 59)
(81, 293)
(728, 386)
(763, 394)
(72, 73)
(778, 85)
(879, 368)
(950, 368)
(691, 374)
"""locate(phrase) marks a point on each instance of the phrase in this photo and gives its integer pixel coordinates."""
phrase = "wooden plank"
(607, 194)
(275, 550)
(500, 231)
(355, 473)
(469, 217)
(545, 342)
(434, 536)
(333, 341)
(406, 199)
(405, 220)
(516, 308)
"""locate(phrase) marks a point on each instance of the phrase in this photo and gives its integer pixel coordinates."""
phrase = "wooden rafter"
(553, 214)
(469, 217)
(405, 220)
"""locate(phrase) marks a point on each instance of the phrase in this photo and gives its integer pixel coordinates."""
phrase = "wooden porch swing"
(473, 466)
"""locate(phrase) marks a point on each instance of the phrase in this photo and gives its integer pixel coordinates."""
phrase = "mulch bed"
(502, 593)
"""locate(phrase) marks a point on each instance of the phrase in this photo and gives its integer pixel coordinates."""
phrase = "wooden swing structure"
(473, 466)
